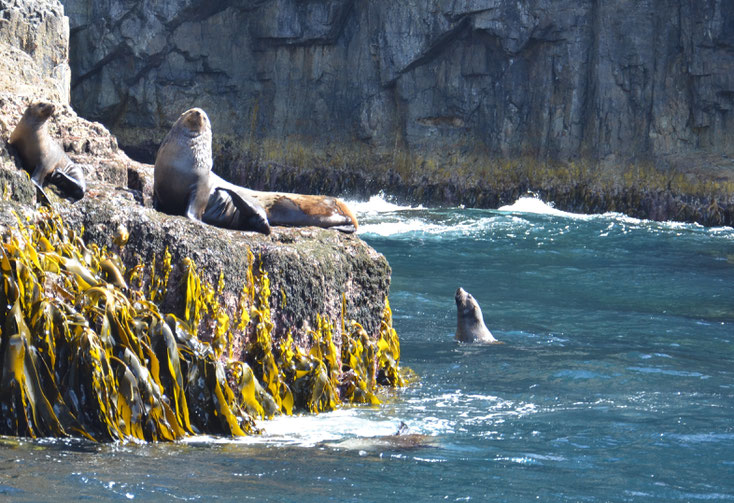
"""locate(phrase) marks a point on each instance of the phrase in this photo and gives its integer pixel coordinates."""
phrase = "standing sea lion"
(42, 156)
(183, 181)
(470, 325)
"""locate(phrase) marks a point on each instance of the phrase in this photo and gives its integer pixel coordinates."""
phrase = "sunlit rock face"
(608, 81)
(34, 50)
(313, 272)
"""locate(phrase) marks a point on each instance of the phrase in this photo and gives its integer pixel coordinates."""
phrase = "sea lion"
(183, 181)
(470, 325)
(402, 440)
(42, 156)
(297, 210)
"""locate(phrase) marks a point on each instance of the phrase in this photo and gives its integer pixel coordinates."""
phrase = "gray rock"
(34, 50)
(607, 81)
(310, 269)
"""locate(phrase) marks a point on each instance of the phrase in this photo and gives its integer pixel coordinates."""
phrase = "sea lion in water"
(42, 156)
(402, 440)
(183, 183)
(470, 325)
(297, 210)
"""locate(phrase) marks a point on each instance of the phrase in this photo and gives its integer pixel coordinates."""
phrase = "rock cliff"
(342, 95)
(310, 268)
(317, 280)
(34, 49)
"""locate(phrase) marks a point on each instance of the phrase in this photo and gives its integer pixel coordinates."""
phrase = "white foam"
(309, 430)
(382, 218)
(421, 226)
(377, 204)
(535, 205)
(312, 429)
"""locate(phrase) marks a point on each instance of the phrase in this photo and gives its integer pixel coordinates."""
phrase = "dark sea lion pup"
(470, 325)
(183, 183)
(42, 156)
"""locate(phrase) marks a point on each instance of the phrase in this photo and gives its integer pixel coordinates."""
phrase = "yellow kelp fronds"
(388, 351)
(358, 364)
(203, 300)
(260, 349)
(81, 356)
(85, 350)
(314, 376)
(159, 279)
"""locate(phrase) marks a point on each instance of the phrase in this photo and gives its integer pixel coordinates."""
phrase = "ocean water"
(614, 382)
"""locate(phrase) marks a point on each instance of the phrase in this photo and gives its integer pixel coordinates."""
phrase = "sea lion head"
(194, 121)
(465, 302)
(39, 112)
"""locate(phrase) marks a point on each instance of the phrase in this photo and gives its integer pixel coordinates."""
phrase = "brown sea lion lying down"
(185, 185)
(297, 210)
(42, 156)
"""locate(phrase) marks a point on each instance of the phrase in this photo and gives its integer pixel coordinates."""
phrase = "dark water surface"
(615, 382)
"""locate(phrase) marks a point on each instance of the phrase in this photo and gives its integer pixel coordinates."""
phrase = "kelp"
(85, 350)
(388, 351)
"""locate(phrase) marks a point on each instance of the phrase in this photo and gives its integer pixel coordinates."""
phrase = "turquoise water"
(615, 381)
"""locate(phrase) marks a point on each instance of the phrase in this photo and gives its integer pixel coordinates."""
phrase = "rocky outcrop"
(34, 50)
(310, 270)
(120, 322)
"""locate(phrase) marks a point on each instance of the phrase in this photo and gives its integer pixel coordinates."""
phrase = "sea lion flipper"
(346, 229)
(252, 215)
(41, 195)
(229, 208)
(198, 199)
(70, 180)
(191, 207)
(38, 175)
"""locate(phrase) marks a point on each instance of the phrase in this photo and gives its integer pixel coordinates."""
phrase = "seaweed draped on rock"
(149, 301)
(85, 349)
